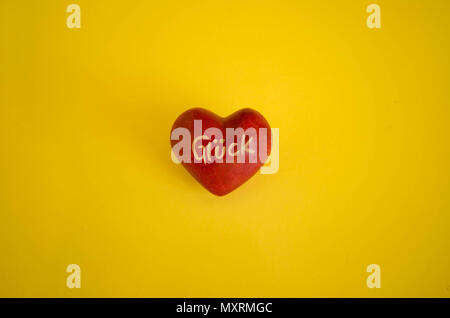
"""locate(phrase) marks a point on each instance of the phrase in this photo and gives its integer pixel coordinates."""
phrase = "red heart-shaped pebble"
(200, 150)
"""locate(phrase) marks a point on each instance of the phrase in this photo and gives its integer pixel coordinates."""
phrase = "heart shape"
(220, 152)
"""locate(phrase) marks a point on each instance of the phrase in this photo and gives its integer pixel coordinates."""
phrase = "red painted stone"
(222, 178)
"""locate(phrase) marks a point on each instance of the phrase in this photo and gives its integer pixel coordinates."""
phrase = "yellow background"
(85, 169)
